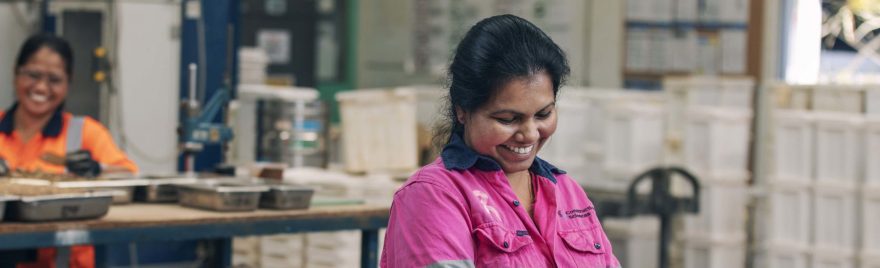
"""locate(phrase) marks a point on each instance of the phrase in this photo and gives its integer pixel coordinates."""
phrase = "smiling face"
(514, 124)
(41, 83)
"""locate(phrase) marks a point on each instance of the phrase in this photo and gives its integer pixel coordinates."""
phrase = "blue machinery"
(210, 39)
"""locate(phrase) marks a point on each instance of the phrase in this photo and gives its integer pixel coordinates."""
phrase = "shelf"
(652, 75)
(690, 25)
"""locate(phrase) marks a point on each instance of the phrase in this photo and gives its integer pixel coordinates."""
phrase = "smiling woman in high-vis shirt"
(37, 135)
(488, 200)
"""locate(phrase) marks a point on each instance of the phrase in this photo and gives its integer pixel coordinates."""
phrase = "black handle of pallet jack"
(662, 203)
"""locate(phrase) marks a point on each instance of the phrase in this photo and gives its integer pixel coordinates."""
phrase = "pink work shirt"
(460, 211)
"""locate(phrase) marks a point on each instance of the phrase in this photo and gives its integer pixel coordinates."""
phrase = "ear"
(460, 115)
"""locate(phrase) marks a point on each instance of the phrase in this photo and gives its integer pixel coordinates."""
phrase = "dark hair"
(50, 41)
(494, 52)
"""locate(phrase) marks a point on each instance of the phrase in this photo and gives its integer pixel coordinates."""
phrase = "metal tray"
(122, 189)
(87, 205)
(161, 190)
(221, 195)
(287, 196)
(3, 200)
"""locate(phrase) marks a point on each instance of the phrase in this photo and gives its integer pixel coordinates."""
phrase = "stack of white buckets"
(700, 123)
(822, 206)
(712, 117)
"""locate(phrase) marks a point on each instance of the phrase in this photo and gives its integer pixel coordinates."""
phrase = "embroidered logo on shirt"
(484, 201)
(577, 213)
(522, 232)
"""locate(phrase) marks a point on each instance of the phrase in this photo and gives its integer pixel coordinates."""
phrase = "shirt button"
(506, 245)
(597, 246)
(515, 203)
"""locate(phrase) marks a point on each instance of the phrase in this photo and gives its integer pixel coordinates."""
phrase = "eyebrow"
(517, 112)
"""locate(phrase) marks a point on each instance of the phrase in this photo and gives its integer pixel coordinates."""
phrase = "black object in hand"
(82, 164)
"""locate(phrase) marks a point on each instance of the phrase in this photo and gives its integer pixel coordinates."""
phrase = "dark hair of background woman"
(495, 51)
(38, 41)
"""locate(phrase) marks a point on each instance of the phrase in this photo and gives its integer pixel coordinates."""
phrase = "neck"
(517, 177)
(28, 123)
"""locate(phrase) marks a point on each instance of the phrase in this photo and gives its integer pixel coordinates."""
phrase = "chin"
(518, 167)
(38, 110)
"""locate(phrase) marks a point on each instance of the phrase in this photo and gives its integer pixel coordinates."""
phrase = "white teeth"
(38, 98)
(520, 150)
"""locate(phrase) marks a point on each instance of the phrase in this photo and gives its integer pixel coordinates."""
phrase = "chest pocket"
(498, 246)
(586, 246)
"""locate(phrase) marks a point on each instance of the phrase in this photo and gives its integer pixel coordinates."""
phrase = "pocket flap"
(501, 238)
(583, 241)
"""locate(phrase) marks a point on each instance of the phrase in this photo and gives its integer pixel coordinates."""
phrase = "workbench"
(170, 222)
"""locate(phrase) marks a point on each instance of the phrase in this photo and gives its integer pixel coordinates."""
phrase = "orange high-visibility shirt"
(27, 156)
(53, 139)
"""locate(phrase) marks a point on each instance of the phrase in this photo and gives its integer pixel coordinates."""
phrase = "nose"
(41, 85)
(528, 132)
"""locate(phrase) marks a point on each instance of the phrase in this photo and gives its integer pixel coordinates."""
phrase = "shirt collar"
(52, 128)
(457, 155)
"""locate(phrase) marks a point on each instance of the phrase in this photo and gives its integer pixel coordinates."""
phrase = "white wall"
(12, 34)
(148, 82)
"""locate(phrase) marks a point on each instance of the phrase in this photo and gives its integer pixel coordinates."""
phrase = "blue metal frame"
(218, 234)
(49, 21)
(221, 19)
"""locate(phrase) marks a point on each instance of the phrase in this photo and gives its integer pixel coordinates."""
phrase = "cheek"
(60, 93)
(548, 127)
(20, 87)
(484, 138)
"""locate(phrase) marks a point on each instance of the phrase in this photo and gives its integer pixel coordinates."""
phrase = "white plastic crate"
(281, 261)
(340, 258)
(869, 260)
(333, 249)
(591, 173)
(872, 152)
(834, 218)
(838, 98)
(737, 92)
(282, 245)
(597, 102)
(380, 126)
(619, 178)
(716, 141)
(838, 147)
(722, 211)
(714, 253)
(635, 240)
(712, 91)
(872, 101)
(328, 183)
(784, 215)
(832, 259)
(793, 97)
(793, 146)
(246, 252)
(634, 136)
(576, 168)
(333, 240)
(780, 257)
(870, 219)
(573, 111)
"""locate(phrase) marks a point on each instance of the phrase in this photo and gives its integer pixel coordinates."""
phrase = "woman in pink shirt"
(488, 200)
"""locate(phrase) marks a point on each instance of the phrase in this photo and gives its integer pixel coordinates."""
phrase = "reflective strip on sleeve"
(452, 264)
(74, 134)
